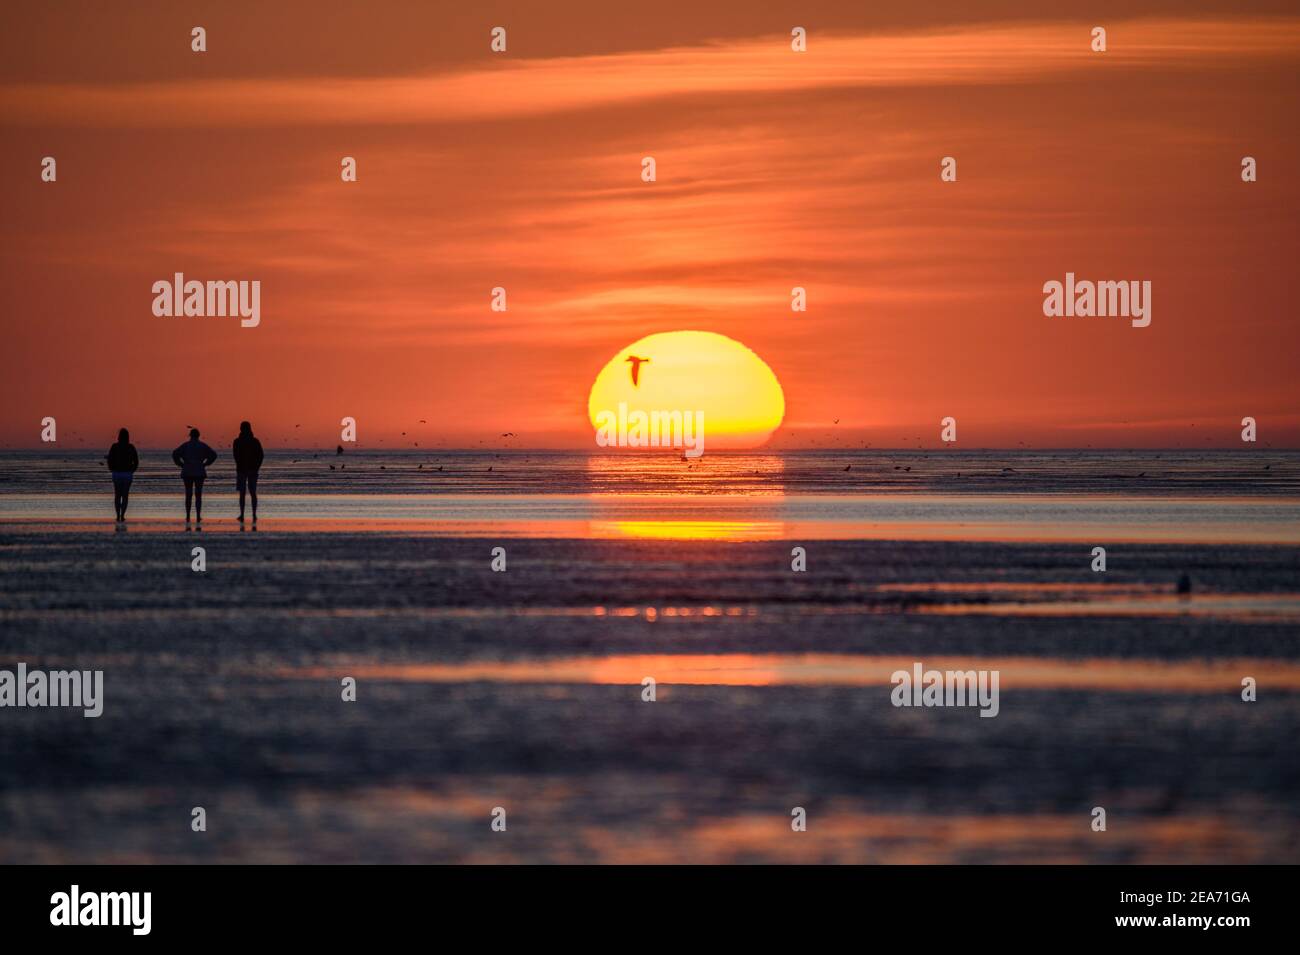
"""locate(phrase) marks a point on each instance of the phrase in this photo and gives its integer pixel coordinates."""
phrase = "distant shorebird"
(636, 368)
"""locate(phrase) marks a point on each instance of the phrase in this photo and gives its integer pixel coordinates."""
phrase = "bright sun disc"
(692, 372)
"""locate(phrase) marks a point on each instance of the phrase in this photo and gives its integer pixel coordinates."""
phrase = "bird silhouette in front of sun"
(636, 368)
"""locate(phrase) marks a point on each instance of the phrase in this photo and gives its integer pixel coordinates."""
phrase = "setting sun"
(735, 393)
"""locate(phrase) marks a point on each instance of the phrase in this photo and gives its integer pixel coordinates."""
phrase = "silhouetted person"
(193, 458)
(122, 463)
(248, 460)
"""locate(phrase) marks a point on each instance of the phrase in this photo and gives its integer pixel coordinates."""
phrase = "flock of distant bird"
(635, 370)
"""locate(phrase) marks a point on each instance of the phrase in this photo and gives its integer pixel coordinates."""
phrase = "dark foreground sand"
(222, 691)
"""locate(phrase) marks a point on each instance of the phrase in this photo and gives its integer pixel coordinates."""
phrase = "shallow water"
(1234, 473)
(523, 688)
(1104, 519)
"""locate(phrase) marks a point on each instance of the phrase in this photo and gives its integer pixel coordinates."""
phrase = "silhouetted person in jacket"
(248, 460)
(122, 463)
(193, 458)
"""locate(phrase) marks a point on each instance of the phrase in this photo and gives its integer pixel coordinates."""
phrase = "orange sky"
(775, 169)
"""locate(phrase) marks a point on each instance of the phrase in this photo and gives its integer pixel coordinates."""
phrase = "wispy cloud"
(993, 54)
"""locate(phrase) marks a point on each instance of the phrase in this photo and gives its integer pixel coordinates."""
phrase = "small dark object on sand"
(1184, 584)
(339, 449)
(849, 466)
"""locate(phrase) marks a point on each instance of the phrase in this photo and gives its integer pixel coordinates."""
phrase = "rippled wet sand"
(523, 690)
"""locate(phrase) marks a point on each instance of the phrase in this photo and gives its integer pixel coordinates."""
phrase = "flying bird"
(636, 368)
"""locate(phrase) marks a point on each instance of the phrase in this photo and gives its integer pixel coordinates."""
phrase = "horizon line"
(719, 451)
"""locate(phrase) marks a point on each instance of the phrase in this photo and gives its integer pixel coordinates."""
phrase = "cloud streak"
(505, 88)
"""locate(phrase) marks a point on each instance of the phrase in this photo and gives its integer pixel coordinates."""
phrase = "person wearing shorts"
(193, 458)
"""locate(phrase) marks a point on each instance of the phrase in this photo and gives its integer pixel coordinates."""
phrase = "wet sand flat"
(524, 688)
(223, 690)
